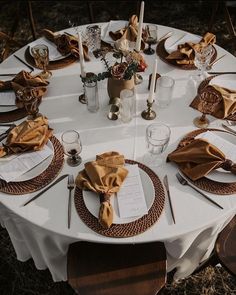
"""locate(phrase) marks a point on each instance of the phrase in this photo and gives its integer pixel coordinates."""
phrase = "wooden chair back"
(109, 269)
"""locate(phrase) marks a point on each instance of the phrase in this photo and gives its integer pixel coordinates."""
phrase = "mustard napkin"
(185, 52)
(23, 78)
(223, 106)
(105, 177)
(30, 135)
(66, 44)
(128, 33)
(197, 158)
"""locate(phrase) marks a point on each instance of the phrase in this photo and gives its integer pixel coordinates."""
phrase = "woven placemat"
(162, 53)
(38, 182)
(206, 184)
(203, 84)
(14, 115)
(127, 229)
(53, 65)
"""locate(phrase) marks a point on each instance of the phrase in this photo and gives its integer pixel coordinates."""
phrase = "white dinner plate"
(113, 26)
(221, 175)
(226, 81)
(187, 38)
(37, 170)
(92, 201)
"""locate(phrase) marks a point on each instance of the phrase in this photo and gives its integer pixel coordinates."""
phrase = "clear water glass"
(157, 139)
(127, 104)
(91, 96)
(164, 91)
(93, 34)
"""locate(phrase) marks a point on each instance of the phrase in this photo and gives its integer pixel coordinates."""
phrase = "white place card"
(15, 167)
(222, 144)
(7, 98)
(131, 198)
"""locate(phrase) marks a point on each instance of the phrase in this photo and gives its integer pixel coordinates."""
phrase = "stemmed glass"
(202, 60)
(209, 99)
(150, 37)
(40, 54)
(28, 96)
(72, 147)
(157, 139)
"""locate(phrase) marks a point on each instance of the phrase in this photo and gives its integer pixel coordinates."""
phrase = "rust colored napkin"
(185, 53)
(130, 32)
(30, 135)
(221, 106)
(197, 157)
(23, 78)
(66, 43)
(105, 177)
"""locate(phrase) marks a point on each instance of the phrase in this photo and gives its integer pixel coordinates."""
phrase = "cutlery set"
(70, 186)
(183, 181)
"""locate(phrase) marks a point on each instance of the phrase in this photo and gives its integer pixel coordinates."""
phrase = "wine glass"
(30, 99)
(150, 37)
(202, 60)
(72, 147)
(40, 54)
(157, 139)
(209, 98)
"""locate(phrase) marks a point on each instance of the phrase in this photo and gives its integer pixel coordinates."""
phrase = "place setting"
(206, 159)
(14, 106)
(117, 197)
(30, 155)
(184, 52)
(55, 51)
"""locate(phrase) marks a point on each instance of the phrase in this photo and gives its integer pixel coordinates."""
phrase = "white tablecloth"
(39, 230)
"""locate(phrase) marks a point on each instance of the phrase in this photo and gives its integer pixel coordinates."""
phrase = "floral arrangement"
(128, 63)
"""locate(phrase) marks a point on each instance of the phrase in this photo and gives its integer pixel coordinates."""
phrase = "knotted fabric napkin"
(23, 78)
(66, 44)
(104, 177)
(222, 106)
(197, 157)
(30, 135)
(128, 33)
(185, 52)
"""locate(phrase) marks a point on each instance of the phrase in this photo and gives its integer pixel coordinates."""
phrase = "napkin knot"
(104, 197)
(229, 165)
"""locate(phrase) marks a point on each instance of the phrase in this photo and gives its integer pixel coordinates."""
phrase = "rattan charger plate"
(206, 82)
(53, 65)
(162, 53)
(206, 184)
(14, 115)
(40, 181)
(127, 229)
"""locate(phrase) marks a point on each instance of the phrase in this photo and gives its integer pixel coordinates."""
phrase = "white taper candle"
(140, 26)
(81, 55)
(153, 82)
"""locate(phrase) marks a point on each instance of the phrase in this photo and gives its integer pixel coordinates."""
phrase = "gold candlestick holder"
(149, 114)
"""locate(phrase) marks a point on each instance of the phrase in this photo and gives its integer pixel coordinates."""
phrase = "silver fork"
(70, 186)
(183, 181)
(231, 123)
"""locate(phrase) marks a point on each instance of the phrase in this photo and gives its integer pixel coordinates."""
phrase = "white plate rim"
(217, 173)
(219, 80)
(123, 220)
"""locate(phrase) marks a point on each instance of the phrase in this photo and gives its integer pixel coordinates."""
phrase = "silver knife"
(177, 41)
(47, 188)
(229, 129)
(23, 62)
(166, 184)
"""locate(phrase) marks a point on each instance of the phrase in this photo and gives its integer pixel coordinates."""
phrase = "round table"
(39, 230)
